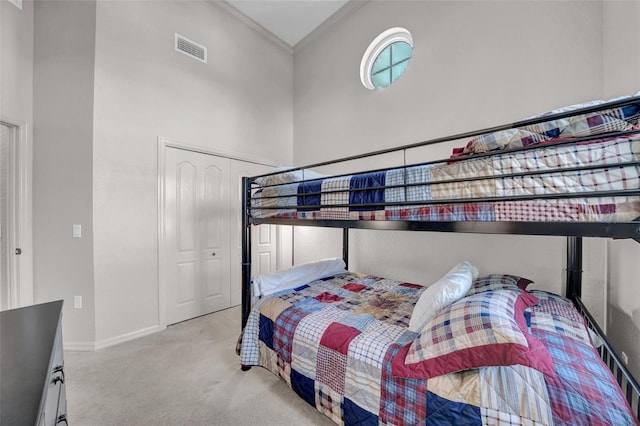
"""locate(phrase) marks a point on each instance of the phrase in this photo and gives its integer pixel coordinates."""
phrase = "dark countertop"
(27, 336)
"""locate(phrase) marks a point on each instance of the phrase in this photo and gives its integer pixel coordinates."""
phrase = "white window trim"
(386, 38)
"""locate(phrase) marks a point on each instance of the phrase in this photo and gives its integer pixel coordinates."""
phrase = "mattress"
(555, 183)
(340, 344)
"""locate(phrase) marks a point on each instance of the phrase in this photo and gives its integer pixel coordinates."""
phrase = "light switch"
(77, 231)
(77, 302)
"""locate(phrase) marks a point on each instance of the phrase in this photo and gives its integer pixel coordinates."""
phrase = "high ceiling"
(289, 20)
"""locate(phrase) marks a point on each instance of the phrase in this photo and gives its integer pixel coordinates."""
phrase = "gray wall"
(63, 160)
(475, 64)
(108, 84)
(16, 64)
(470, 59)
(16, 107)
(240, 102)
(621, 59)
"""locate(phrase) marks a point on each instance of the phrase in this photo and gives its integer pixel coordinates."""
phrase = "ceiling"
(289, 20)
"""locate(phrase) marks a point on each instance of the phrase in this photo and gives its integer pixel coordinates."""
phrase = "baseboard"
(103, 344)
(79, 346)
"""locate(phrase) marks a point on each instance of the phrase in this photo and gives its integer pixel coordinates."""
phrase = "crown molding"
(252, 24)
(350, 7)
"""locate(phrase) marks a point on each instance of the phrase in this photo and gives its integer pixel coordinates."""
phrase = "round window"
(386, 58)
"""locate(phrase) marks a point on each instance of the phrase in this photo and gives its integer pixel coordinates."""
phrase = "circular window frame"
(386, 38)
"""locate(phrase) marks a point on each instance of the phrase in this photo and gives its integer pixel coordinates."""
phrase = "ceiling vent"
(191, 48)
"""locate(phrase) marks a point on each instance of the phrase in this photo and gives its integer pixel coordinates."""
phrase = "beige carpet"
(187, 374)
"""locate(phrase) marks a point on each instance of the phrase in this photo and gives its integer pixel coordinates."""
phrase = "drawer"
(61, 415)
(55, 383)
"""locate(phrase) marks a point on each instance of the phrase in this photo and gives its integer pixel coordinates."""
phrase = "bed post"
(345, 247)
(246, 251)
(573, 288)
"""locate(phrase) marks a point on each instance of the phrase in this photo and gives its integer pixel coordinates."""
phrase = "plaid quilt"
(333, 342)
(594, 123)
(429, 192)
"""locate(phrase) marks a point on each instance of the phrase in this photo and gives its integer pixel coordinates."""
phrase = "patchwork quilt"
(494, 188)
(334, 341)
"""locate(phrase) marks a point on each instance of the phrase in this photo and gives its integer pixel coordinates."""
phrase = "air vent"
(191, 48)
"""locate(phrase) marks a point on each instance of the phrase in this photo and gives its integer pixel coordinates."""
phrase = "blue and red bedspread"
(333, 342)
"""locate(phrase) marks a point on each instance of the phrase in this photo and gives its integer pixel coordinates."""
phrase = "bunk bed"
(475, 349)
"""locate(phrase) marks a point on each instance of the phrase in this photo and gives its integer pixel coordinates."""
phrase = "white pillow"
(448, 289)
(266, 284)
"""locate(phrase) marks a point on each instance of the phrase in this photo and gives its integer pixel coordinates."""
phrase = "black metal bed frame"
(574, 231)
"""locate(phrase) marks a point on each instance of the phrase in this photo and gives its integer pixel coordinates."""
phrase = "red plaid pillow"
(482, 330)
(557, 314)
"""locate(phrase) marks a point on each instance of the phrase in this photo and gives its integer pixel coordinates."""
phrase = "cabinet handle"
(59, 369)
(62, 418)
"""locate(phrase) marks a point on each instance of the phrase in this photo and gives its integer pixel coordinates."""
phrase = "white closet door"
(197, 234)
(263, 237)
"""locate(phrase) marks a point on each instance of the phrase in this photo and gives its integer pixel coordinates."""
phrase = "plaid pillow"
(485, 329)
(545, 295)
(558, 315)
(498, 282)
(595, 123)
(510, 138)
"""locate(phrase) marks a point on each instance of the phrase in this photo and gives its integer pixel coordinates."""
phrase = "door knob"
(213, 254)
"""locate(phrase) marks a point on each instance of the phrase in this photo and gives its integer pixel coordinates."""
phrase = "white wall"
(239, 103)
(16, 63)
(16, 107)
(621, 59)
(108, 83)
(475, 64)
(63, 139)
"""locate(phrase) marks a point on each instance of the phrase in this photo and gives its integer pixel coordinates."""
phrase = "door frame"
(21, 216)
(163, 144)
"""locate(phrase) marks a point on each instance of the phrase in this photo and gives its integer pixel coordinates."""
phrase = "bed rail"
(631, 100)
(623, 376)
(574, 231)
(307, 197)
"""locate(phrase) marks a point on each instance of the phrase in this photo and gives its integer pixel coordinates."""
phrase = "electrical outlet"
(625, 358)
(77, 302)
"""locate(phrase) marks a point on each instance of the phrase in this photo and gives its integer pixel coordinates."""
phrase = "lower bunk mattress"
(343, 344)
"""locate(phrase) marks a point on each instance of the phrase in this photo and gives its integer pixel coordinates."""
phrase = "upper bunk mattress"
(555, 182)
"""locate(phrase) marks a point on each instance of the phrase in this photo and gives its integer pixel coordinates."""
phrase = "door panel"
(265, 248)
(264, 263)
(197, 246)
(186, 209)
(263, 236)
(213, 207)
(213, 278)
(186, 282)
(202, 233)
(215, 249)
